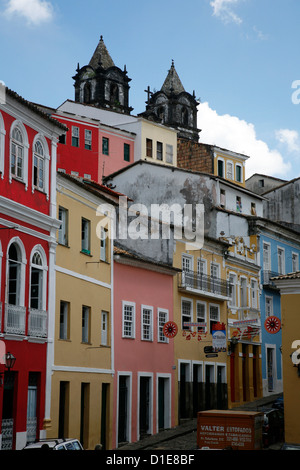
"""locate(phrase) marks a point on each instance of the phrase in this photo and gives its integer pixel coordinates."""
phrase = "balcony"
(208, 286)
(15, 321)
(266, 279)
(15, 316)
(37, 323)
(249, 313)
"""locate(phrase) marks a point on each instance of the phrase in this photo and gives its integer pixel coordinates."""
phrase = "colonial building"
(281, 204)
(290, 297)
(28, 145)
(224, 219)
(82, 352)
(211, 159)
(260, 184)
(122, 140)
(201, 291)
(279, 249)
(144, 391)
(92, 149)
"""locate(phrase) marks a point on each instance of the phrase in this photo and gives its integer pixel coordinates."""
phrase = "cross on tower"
(149, 94)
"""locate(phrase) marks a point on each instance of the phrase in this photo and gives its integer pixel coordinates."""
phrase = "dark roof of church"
(172, 82)
(101, 55)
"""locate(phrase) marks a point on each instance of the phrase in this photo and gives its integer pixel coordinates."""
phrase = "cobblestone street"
(184, 436)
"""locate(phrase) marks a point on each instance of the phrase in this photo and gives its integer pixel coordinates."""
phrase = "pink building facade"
(144, 356)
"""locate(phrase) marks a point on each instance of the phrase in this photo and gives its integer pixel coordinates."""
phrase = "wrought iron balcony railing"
(201, 282)
(37, 323)
(266, 278)
(15, 317)
(15, 321)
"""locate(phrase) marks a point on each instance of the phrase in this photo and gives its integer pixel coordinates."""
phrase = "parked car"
(287, 446)
(55, 444)
(273, 426)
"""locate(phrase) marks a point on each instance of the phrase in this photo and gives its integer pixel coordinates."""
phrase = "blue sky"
(240, 56)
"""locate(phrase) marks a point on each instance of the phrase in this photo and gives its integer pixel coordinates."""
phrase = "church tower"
(173, 106)
(101, 83)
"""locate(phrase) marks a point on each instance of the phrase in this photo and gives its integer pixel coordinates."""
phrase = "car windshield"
(76, 445)
(70, 446)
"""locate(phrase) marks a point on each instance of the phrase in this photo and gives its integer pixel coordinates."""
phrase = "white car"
(55, 444)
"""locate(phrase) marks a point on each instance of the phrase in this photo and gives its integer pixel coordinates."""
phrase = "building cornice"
(27, 215)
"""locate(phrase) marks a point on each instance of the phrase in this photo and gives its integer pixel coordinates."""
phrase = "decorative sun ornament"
(272, 325)
(170, 329)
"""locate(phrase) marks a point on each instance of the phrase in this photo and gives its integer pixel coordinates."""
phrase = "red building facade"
(28, 226)
(92, 149)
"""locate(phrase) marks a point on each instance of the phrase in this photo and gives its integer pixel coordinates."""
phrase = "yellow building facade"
(200, 298)
(230, 165)
(244, 322)
(82, 356)
(289, 286)
(158, 143)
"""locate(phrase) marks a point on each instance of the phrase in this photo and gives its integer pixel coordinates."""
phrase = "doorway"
(63, 418)
(32, 405)
(8, 411)
(209, 386)
(164, 403)
(184, 395)
(145, 407)
(221, 388)
(270, 369)
(84, 415)
(104, 415)
(123, 413)
(197, 389)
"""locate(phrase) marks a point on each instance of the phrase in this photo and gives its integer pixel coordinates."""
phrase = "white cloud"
(232, 133)
(223, 10)
(259, 34)
(290, 138)
(34, 11)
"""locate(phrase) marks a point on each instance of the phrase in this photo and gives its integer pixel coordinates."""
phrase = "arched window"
(87, 92)
(36, 284)
(184, 117)
(38, 269)
(14, 275)
(37, 321)
(38, 166)
(15, 311)
(161, 113)
(114, 93)
(17, 154)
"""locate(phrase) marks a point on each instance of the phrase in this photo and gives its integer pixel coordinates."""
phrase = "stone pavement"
(184, 436)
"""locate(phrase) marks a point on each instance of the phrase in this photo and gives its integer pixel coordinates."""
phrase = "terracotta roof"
(101, 56)
(103, 188)
(120, 250)
(93, 187)
(295, 275)
(35, 109)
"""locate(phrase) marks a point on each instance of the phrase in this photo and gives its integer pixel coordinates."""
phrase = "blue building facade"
(279, 249)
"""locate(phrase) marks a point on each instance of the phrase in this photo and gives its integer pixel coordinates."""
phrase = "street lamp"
(9, 362)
